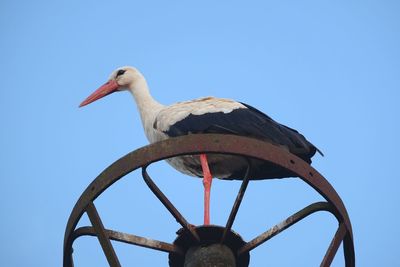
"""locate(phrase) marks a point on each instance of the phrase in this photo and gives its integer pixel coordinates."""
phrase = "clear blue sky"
(330, 69)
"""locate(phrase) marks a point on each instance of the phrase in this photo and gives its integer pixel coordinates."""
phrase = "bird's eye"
(120, 72)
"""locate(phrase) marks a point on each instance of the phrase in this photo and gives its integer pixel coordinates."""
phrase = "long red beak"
(105, 89)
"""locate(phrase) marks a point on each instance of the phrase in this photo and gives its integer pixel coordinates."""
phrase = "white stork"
(207, 115)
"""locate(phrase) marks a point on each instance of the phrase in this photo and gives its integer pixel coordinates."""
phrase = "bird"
(207, 115)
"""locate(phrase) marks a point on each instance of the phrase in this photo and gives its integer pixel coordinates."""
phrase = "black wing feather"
(248, 122)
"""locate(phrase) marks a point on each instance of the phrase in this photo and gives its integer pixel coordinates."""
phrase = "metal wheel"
(189, 236)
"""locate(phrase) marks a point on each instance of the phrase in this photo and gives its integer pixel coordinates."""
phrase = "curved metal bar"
(209, 143)
(129, 239)
(283, 225)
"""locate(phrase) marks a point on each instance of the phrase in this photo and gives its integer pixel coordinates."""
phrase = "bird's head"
(120, 79)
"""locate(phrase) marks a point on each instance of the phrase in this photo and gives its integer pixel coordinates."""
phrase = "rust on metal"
(130, 239)
(334, 246)
(165, 201)
(102, 235)
(219, 144)
(280, 227)
(237, 202)
(209, 235)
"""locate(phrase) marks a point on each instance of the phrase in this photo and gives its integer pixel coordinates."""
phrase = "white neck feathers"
(147, 105)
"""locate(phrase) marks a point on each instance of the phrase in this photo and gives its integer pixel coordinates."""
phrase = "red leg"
(207, 179)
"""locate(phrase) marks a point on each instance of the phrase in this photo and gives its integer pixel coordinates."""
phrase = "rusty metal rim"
(209, 143)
